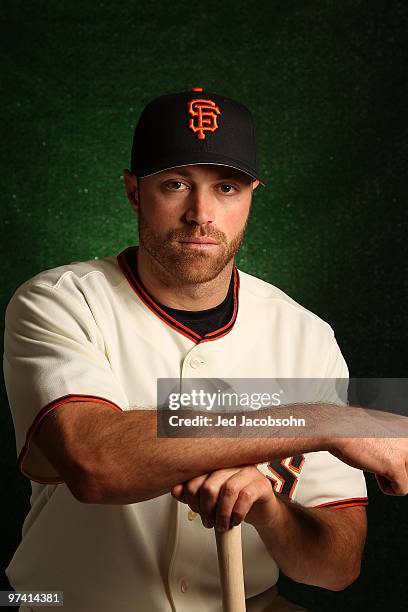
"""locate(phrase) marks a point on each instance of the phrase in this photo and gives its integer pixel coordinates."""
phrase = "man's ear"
(132, 189)
(255, 184)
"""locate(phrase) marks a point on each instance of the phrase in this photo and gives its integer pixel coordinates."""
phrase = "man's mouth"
(199, 240)
(199, 243)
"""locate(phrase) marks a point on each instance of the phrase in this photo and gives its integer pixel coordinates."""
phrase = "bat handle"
(229, 549)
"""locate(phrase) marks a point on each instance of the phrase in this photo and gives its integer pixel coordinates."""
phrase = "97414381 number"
(45, 598)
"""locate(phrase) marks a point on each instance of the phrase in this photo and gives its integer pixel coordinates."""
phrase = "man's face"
(192, 219)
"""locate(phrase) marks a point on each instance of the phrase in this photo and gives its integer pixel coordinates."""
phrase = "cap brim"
(194, 160)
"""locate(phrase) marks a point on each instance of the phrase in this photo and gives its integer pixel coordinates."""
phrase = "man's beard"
(188, 266)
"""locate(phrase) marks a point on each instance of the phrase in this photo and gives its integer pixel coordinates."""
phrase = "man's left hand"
(224, 498)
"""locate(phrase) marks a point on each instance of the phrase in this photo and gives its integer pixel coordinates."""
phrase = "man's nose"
(201, 207)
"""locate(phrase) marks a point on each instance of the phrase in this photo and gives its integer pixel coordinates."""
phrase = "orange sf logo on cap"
(204, 116)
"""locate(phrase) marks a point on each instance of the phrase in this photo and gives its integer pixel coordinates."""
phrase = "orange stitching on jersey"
(279, 480)
(43, 413)
(150, 302)
(234, 313)
(352, 501)
(293, 467)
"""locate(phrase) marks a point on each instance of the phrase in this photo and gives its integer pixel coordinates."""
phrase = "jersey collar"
(128, 264)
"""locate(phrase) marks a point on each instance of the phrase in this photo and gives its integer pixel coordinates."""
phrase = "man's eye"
(175, 185)
(227, 188)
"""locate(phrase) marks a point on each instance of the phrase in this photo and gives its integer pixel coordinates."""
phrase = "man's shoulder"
(105, 268)
(264, 293)
(74, 279)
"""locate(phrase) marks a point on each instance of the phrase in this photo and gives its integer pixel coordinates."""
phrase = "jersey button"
(184, 586)
(195, 362)
(192, 515)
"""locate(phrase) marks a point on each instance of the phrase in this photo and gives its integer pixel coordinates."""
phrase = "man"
(85, 345)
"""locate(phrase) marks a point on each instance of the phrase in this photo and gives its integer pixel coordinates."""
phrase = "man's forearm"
(118, 458)
(128, 463)
(317, 546)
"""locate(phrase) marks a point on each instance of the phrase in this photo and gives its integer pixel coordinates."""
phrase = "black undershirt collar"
(203, 321)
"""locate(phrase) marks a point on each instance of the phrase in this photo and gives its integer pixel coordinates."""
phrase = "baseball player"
(85, 344)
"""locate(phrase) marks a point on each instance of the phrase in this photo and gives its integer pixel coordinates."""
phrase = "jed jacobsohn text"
(235, 420)
(207, 401)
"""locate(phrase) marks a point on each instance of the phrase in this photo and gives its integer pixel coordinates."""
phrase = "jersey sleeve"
(53, 353)
(319, 479)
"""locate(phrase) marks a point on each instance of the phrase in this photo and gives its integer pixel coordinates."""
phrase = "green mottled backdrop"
(327, 83)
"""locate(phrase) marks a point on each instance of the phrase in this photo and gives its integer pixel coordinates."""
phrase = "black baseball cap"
(194, 127)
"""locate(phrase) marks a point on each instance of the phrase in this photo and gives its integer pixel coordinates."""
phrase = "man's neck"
(167, 290)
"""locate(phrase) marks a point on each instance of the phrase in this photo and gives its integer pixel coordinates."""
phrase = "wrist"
(267, 514)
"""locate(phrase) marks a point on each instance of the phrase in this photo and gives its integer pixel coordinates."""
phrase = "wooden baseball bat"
(229, 549)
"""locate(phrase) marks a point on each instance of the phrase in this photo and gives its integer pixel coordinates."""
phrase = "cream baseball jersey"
(91, 331)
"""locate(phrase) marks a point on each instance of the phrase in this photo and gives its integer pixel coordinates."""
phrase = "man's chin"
(189, 266)
(189, 273)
